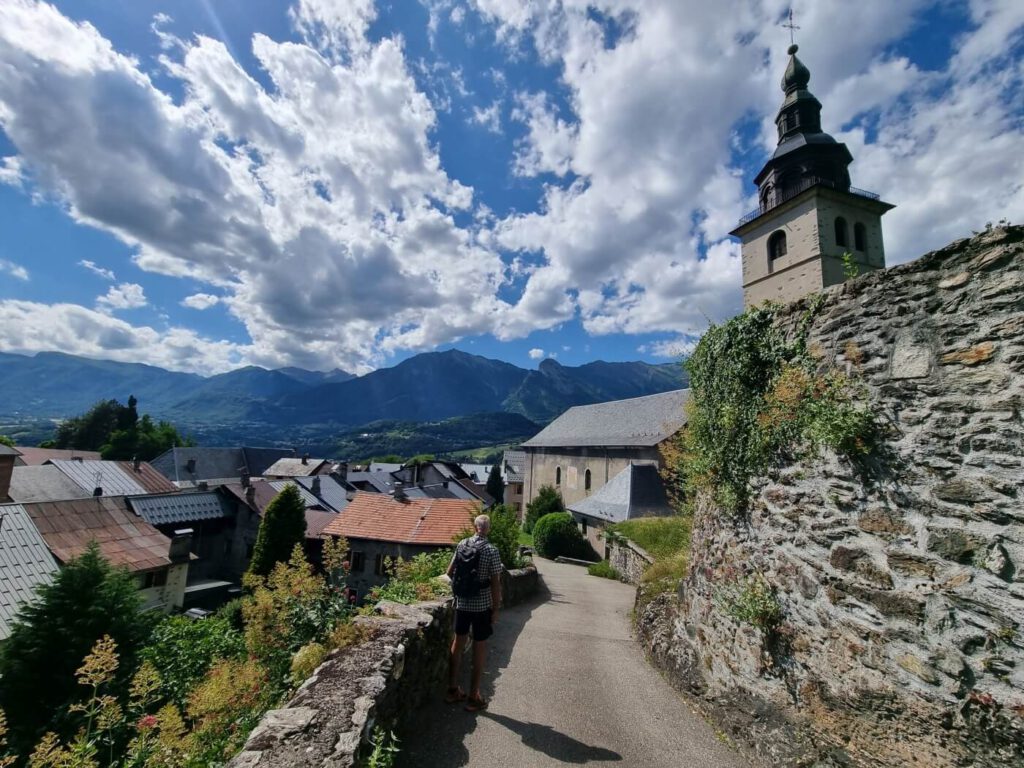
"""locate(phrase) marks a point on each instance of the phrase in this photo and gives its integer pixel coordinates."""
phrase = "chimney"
(97, 491)
(305, 459)
(340, 471)
(181, 542)
(6, 470)
(190, 466)
(79, 459)
(399, 492)
(136, 463)
(250, 495)
(203, 485)
(316, 485)
(245, 478)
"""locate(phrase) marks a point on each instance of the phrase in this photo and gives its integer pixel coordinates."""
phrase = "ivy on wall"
(758, 398)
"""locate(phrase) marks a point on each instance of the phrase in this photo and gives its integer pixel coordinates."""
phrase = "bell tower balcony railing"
(804, 184)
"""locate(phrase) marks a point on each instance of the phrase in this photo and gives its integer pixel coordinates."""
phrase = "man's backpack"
(466, 577)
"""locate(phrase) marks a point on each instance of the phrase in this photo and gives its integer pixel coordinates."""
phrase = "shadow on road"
(554, 744)
(436, 733)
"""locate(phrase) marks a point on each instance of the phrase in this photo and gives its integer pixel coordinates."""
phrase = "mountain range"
(429, 387)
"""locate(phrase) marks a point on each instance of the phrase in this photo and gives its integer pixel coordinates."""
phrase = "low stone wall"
(519, 585)
(379, 682)
(629, 559)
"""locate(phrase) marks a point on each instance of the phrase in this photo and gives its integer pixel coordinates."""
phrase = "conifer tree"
(282, 527)
(495, 485)
(547, 500)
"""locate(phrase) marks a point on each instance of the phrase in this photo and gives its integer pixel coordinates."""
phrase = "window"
(378, 565)
(586, 480)
(154, 579)
(860, 237)
(583, 526)
(358, 562)
(777, 245)
(558, 475)
(842, 238)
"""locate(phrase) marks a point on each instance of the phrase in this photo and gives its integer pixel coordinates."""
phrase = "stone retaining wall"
(379, 682)
(902, 593)
(519, 585)
(629, 559)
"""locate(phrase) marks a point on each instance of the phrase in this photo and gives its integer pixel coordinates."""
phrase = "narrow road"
(568, 685)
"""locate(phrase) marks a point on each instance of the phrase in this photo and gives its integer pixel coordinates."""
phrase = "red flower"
(146, 722)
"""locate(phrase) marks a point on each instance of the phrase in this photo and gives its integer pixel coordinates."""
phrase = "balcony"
(803, 186)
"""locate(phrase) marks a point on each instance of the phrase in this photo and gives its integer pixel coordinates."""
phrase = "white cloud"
(549, 145)
(673, 348)
(200, 301)
(122, 296)
(489, 117)
(457, 15)
(92, 266)
(536, 354)
(14, 270)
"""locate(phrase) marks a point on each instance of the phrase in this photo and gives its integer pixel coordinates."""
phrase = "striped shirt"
(490, 565)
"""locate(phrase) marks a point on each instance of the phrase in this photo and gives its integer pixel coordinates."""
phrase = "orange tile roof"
(148, 477)
(379, 517)
(124, 539)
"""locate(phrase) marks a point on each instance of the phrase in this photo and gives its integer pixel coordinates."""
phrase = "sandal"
(476, 704)
(455, 695)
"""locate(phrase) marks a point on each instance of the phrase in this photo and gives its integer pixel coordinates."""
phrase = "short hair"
(482, 523)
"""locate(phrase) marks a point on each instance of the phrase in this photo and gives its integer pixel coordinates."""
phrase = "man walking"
(475, 571)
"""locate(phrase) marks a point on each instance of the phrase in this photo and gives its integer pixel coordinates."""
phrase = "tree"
(548, 500)
(87, 599)
(117, 432)
(556, 535)
(5, 440)
(282, 528)
(495, 485)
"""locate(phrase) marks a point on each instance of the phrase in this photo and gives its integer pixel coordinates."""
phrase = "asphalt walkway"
(568, 686)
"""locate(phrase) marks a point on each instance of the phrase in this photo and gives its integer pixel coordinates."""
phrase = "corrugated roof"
(123, 538)
(33, 457)
(108, 475)
(515, 466)
(148, 477)
(25, 563)
(639, 421)
(294, 467)
(45, 483)
(307, 498)
(427, 522)
(637, 491)
(173, 508)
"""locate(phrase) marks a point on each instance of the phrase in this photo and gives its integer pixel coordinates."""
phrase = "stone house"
(379, 526)
(637, 491)
(588, 445)
(513, 470)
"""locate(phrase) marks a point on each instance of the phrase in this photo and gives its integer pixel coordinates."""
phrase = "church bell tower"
(808, 215)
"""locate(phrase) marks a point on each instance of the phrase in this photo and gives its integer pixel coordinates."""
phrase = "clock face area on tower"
(810, 223)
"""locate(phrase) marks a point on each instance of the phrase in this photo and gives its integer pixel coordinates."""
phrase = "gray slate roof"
(332, 493)
(292, 467)
(25, 563)
(108, 475)
(174, 508)
(515, 466)
(6, 450)
(212, 463)
(637, 491)
(44, 483)
(639, 421)
(307, 498)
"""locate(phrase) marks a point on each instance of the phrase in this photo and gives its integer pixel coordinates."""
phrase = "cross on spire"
(791, 27)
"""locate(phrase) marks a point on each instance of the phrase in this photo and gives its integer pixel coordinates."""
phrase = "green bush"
(605, 570)
(547, 501)
(556, 535)
(751, 600)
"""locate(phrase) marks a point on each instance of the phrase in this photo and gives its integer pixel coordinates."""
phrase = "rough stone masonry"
(902, 640)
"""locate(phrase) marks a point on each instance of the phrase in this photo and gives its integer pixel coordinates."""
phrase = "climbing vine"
(758, 397)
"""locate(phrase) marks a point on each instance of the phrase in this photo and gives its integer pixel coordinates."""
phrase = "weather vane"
(791, 27)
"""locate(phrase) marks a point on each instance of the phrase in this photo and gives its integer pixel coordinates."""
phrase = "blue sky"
(203, 184)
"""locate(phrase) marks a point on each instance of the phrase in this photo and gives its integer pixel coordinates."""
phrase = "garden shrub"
(605, 570)
(305, 661)
(226, 706)
(556, 535)
(414, 580)
(546, 502)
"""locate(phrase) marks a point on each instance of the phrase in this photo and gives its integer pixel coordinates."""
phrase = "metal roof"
(213, 463)
(292, 467)
(108, 475)
(43, 483)
(638, 421)
(307, 498)
(6, 450)
(515, 466)
(173, 508)
(25, 563)
(637, 491)
(332, 493)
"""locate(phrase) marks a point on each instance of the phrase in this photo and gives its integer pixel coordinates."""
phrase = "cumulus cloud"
(92, 266)
(122, 296)
(200, 301)
(488, 117)
(536, 353)
(14, 270)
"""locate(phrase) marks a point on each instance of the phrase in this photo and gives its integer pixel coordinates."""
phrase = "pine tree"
(283, 526)
(87, 599)
(495, 485)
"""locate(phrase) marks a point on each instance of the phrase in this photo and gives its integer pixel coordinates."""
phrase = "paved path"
(568, 685)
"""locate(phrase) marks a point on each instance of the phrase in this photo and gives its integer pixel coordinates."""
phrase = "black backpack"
(466, 577)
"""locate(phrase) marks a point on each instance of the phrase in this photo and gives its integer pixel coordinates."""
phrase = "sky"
(207, 184)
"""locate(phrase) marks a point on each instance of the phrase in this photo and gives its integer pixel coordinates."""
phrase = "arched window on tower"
(586, 480)
(558, 475)
(860, 237)
(777, 245)
(842, 233)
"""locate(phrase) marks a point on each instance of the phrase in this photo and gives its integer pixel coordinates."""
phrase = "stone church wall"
(902, 598)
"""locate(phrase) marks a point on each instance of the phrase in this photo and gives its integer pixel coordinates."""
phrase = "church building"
(808, 216)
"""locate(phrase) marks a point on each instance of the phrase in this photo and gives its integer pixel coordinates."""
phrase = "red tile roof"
(33, 457)
(67, 528)
(148, 477)
(379, 517)
(316, 521)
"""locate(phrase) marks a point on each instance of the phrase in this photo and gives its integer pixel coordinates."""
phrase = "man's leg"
(479, 657)
(455, 662)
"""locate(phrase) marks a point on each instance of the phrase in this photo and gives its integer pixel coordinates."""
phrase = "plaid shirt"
(490, 565)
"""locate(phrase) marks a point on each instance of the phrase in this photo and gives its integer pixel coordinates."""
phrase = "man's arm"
(451, 567)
